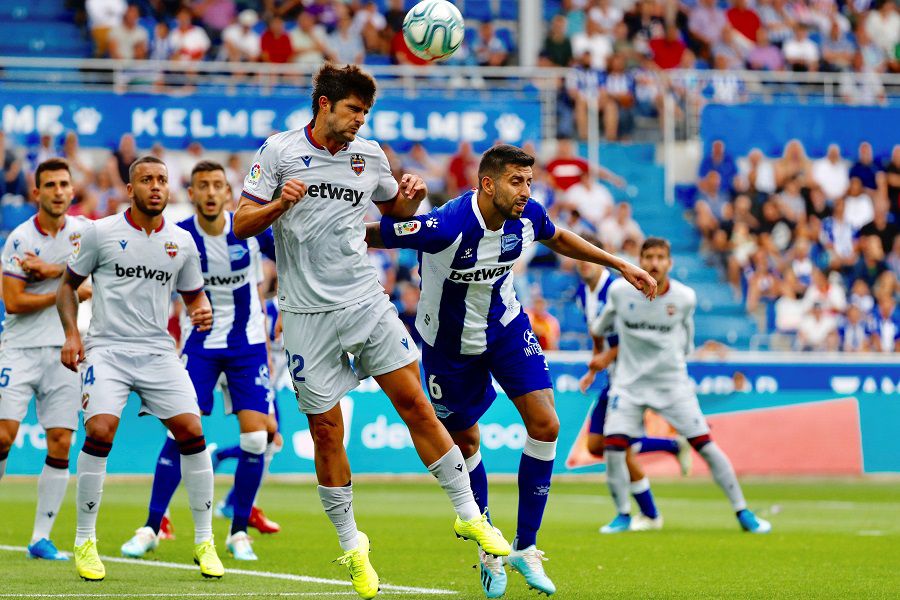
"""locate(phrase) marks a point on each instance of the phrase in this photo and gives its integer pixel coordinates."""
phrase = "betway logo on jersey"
(225, 280)
(484, 274)
(142, 272)
(327, 190)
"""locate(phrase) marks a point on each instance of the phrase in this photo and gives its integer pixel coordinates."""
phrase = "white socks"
(197, 475)
(91, 473)
(338, 505)
(451, 472)
(723, 473)
(51, 490)
(617, 480)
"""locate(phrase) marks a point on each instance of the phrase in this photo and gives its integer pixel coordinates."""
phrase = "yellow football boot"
(88, 563)
(362, 574)
(484, 534)
(207, 559)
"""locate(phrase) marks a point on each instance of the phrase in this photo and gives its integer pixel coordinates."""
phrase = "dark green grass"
(832, 539)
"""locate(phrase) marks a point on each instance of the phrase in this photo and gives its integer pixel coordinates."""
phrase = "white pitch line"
(267, 574)
(182, 595)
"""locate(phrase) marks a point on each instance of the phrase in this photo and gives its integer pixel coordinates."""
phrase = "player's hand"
(640, 279)
(413, 187)
(600, 362)
(587, 381)
(85, 292)
(202, 318)
(279, 326)
(37, 268)
(292, 192)
(72, 353)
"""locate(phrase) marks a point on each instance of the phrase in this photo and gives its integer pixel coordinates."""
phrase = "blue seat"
(557, 285)
(686, 194)
(509, 10)
(478, 10)
(13, 215)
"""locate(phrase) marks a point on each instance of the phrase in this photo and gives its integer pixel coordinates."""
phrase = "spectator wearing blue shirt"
(868, 171)
(884, 324)
(721, 162)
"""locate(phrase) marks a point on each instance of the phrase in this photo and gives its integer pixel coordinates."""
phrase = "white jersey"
(134, 277)
(231, 273)
(320, 241)
(43, 327)
(655, 337)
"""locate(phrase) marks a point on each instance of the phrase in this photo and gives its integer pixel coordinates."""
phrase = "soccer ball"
(433, 29)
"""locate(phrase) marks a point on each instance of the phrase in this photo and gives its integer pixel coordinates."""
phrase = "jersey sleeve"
(12, 259)
(429, 232)
(263, 179)
(689, 324)
(266, 242)
(86, 255)
(190, 277)
(544, 229)
(387, 186)
(603, 325)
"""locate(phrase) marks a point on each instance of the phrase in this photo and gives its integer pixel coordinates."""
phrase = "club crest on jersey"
(75, 238)
(407, 228)
(85, 398)
(357, 163)
(509, 241)
(172, 249)
(670, 310)
(255, 172)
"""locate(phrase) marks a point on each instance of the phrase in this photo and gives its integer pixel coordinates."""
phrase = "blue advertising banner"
(378, 442)
(239, 123)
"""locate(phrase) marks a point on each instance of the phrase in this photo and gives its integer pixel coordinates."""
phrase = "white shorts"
(38, 373)
(160, 379)
(318, 347)
(678, 406)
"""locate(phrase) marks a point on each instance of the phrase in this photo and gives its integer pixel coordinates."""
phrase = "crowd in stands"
(811, 244)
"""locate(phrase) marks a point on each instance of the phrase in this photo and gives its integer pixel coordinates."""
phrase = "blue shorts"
(598, 415)
(460, 386)
(246, 372)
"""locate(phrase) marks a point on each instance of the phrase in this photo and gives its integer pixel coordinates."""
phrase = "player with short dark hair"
(313, 186)
(235, 346)
(34, 258)
(473, 327)
(651, 372)
(137, 260)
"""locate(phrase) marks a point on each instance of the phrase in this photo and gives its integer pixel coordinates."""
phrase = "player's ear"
(487, 184)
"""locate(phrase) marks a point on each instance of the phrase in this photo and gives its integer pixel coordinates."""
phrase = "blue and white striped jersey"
(230, 273)
(467, 284)
(592, 301)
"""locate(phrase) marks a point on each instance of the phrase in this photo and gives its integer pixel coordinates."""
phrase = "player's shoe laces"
(145, 540)
(685, 455)
(224, 510)
(88, 563)
(618, 525)
(241, 546)
(753, 524)
(484, 534)
(641, 522)
(166, 529)
(44, 549)
(207, 559)
(530, 563)
(260, 522)
(493, 575)
(362, 574)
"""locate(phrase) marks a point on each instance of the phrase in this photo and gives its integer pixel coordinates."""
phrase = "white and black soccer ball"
(433, 29)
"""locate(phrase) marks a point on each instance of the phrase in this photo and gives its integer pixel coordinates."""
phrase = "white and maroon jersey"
(320, 241)
(655, 337)
(41, 327)
(134, 277)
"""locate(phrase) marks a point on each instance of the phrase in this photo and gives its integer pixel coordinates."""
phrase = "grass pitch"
(831, 539)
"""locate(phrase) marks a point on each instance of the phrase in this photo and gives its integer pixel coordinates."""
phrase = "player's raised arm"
(261, 203)
(406, 202)
(574, 246)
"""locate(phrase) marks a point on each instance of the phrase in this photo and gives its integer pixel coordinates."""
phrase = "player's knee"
(617, 443)
(545, 428)
(58, 441)
(254, 442)
(596, 445)
(326, 433)
(101, 429)
(697, 443)
(7, 437)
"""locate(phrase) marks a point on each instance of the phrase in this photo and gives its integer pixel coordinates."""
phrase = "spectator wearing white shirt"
(830, 295)
(839, 238)
(346, 41)
(618, 227)
(240, 42)
(800, 52)
(595, 42)
(592, 201)
(604, 14)
(308, 39)
(759, 171)
(128, 40)
(818, 330)
(103, 16)
(858, 206)
(189, 42)
(831, 173)
(489, 50)
(883, 26)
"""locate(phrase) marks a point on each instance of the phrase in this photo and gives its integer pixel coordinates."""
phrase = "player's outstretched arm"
(574, 246)
(252, 218)
(373, 236)
(67, 305)
(405, 204)
(199, 309)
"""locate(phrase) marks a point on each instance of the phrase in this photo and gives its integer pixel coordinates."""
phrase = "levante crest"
(172, 249)
(357, 163)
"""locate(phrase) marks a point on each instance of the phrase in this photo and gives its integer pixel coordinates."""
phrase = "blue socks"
(478, 482)
(226, 453)
(165, 481)
(535, 470)
(640, 490)
(247, 478)
(650, 444)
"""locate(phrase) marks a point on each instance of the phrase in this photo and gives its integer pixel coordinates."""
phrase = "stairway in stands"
(719, 316)
(39, 29)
